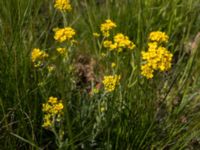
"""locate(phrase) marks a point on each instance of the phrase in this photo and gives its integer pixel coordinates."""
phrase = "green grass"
(157, 114)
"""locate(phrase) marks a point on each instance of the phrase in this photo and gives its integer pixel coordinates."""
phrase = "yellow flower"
(58, 106)
(113, 65)
(37, 54)
(147, 71)
(113, 46)
(46, 107)
(96, 34)
(107, 43)
(164, 59)
(158, 36)
(64, 34)
(53, 111)
(62, 51)
(156, 58)
(159, 58)
(63, 5)
(48, 121)
(106, 27)
(110, 82)
(152, 45)
(53, 100)
(131, 46)
(123, 41)
(103, 55)
(120, 42)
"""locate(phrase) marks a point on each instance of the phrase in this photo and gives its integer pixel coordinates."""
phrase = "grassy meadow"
(68, 81)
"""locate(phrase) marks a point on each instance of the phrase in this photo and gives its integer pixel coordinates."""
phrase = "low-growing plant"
(99, 74)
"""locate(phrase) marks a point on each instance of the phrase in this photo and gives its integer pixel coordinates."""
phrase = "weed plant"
(99, 98)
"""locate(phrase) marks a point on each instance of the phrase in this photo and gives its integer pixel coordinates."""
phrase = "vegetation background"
(161, 113)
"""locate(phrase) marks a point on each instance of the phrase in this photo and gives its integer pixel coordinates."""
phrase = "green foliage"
(161, 113)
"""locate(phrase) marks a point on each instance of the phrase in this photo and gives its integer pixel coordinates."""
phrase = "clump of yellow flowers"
(53, 111)
(106, 27)
(119, 43)
(158, 36)
(64, 34)
(123, 41)
(110, 82)
(157, 57)
(63, 5)
(37, 55)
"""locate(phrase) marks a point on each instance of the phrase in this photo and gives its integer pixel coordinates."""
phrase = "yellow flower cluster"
(120, 42)
(110, 82)
(147, 71)
(63, 5)
(108, 44)
(158, 36)
(38, 54)
(156, 58)
(123, 41)
(64, 34)
(61, 51)
(106, 27)
(53, 111)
